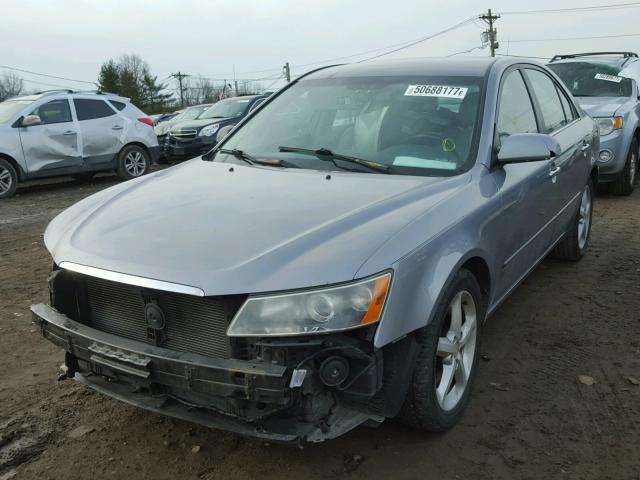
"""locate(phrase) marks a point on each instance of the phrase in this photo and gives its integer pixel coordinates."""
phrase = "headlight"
(209, 130)
(313, 311)
(608, 125)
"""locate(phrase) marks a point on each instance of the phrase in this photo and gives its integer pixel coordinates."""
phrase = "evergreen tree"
(130, 76)
(109, 77)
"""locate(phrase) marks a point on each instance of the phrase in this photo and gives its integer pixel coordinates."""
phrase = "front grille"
(193, 324)
(184, 134)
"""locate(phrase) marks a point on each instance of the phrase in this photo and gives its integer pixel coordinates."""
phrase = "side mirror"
(31, 120)
(528, 147)
(223, 132)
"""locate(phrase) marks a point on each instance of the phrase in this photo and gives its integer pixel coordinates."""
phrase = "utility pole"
(491, 33)
(236, 85)
(180, 76)
(287, 72)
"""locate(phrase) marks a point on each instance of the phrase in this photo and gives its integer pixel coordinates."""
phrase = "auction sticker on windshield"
(435, 91)
(608, 78)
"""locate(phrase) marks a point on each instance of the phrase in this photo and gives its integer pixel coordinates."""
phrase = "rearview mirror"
(31, 120)
(528, 147)
(223, 132)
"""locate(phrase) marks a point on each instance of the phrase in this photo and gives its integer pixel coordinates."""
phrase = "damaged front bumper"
(248, 397)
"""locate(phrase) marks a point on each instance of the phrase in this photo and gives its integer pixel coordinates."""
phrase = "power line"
(593, 8)
(574, 38)
(396, 47)
(479, 47)
(45, 75)
(47, 84)
(424, 39)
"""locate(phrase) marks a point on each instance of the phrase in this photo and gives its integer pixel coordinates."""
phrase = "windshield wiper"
(251, 160)
(325, 154)
(238, 154)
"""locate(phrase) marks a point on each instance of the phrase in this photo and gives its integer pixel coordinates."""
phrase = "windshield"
(586, 79)
(227, 108)
(9, 108)
(416, 125)
(193, 112)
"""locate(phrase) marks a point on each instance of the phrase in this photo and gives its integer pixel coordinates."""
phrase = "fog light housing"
(605, 156)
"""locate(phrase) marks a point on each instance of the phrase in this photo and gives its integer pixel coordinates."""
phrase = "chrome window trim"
(132, 279)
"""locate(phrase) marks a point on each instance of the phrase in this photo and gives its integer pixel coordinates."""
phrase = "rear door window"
(569, 110)
(547, 95)
(118, 105)
(515, 113)
(87, 109)
(55, 111)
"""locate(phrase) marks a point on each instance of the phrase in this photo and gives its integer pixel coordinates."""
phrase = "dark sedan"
(192, 138)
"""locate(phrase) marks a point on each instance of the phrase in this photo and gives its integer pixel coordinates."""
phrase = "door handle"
(585, 147)
(70, 132)
(554, 170)
(116, 127)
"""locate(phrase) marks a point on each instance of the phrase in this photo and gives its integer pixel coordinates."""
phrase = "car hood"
(229, 229)
(197, 124)
(601, 106)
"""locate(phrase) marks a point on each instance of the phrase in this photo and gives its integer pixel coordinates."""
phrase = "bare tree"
(11, 85)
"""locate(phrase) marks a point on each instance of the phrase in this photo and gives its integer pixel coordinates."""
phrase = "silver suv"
(72, 133)
(605, 84)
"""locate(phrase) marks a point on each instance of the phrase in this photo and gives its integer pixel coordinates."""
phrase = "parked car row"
(80, 133)
(189, 137)
(337, 252)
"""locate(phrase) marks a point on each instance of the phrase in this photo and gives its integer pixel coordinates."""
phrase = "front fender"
(463, 226)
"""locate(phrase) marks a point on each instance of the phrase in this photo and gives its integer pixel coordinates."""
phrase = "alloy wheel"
(6, 180)
(456, 351)
(135, 164)
(584, 217)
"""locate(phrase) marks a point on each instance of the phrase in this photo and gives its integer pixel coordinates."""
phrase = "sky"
(215, 38)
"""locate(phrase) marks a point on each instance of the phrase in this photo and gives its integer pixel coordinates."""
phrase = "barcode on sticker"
(608, 78)
(297, 377)
(435, 91)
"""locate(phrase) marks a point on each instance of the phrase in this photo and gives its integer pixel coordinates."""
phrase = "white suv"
(72, 133)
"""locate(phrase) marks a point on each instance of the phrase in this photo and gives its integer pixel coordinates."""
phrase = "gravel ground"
(531, 415)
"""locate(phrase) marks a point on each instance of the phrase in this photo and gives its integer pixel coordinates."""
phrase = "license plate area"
(120, 360)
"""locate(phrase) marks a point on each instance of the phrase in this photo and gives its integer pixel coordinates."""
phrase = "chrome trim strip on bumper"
(132, 279)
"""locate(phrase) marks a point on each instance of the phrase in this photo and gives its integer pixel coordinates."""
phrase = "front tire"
(133, 162)
(575, 243)
(446, 366)
(8, 179)
(625, 183)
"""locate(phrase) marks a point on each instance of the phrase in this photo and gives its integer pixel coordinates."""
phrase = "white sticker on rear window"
(435, 91)
(608, 78)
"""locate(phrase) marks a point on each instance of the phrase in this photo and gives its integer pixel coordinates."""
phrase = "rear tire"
(625, 183)
(8, 179)
(575, 243)
(133, 162)
(431, 404)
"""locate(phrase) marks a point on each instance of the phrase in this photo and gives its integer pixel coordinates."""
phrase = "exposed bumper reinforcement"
(111, 358)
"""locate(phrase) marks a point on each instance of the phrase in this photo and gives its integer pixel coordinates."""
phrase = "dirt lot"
(530, 416)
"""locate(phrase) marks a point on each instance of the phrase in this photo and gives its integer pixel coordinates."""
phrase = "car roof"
(464, 67)
(614, 59)
(89, 94)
